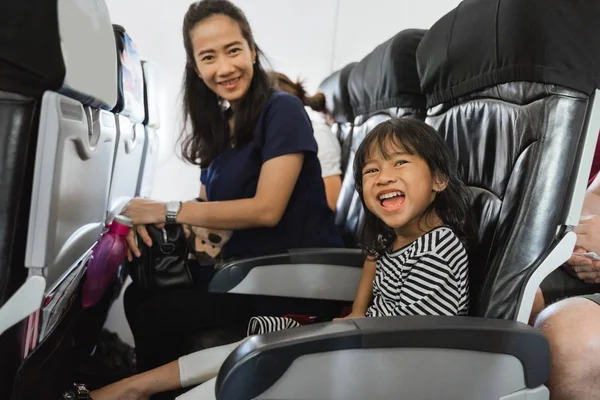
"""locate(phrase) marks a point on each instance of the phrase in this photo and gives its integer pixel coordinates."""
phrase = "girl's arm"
(364, 293)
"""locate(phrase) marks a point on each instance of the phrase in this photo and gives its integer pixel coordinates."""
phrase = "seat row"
(513, 87)
(82, 131)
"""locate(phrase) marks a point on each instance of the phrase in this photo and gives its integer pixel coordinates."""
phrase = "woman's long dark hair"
(452, 205)
(207, 135)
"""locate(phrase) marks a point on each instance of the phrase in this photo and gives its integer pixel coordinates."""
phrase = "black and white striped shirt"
(426, 277)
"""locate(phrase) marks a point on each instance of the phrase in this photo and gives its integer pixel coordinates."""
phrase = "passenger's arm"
(330, 158)
(364, 293)
(591, 202)
(588, 237)
(276, 183)
(333, 186)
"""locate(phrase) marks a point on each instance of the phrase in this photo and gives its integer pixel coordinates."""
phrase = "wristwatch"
(173, 208)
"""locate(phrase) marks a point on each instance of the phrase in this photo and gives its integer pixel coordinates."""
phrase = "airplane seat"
(382, 85)
(22, 83)
(523, 117)
(337, 103)
(515, 118)
(151, 126)
(116, 320)
(18, 126)
(61, 143)
(130, 115)
(333, 274)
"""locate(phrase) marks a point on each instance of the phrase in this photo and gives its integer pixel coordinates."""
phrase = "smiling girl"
(416, 213)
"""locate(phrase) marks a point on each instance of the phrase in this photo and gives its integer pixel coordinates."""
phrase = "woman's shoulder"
(285, 110)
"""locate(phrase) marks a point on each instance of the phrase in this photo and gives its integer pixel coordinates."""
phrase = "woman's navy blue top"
(282, 128)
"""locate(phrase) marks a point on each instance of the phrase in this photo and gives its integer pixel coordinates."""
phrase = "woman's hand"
(142, 212)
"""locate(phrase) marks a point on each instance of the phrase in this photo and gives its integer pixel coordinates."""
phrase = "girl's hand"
(352, 315)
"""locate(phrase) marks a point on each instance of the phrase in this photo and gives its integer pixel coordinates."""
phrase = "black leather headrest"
(21, 68)
(337, 99)
(483, 43)
(387, 77)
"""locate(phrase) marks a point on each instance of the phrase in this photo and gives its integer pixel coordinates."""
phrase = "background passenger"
(330, 151)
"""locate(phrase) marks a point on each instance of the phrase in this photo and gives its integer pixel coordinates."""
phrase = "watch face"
(173, 206)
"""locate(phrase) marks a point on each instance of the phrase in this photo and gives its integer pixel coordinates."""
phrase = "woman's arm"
(276, 183)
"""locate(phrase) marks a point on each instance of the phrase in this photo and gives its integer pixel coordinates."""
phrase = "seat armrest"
(263, 359)
(327, 274)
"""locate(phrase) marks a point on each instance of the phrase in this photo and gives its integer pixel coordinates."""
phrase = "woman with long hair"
(260, 178)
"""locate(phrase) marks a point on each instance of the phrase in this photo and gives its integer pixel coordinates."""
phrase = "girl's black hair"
(201, 107)
(452, 205)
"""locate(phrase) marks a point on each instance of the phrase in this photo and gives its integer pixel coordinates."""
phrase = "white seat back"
(152, 124)
(75, 147)
(88, 48)
(130, 116)
(127, 164)
(71, 181)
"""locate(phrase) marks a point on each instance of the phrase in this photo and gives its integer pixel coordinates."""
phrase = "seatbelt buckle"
(79, 392)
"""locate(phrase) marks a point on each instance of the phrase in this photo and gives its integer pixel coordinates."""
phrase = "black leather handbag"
(168, 262)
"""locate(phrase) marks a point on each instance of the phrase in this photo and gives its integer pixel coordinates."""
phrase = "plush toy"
(208, 243)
